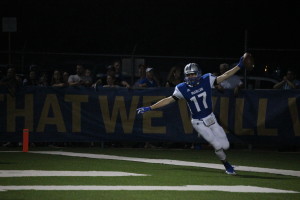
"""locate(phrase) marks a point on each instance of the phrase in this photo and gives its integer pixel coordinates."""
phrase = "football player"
(197, 91)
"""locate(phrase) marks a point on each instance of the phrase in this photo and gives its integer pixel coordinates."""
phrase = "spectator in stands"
(111, 82)
(88, 74)
(288, 82)
(19, 78)
(233, 82)
(117, 66)
(57, 79)
(66, 77)
(43, 80)
(119, 74)
(32, 79)
(150, 79)
(174, 77)
(142, 74)
(111, 71)
(79, 79)
(10, 81)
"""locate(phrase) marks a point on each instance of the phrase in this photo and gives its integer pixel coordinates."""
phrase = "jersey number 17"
(196, 100)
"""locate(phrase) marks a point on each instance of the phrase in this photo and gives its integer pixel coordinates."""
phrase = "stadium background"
(49, 32)
(61, 34)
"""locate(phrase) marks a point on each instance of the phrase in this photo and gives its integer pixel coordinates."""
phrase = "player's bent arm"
(227, 74)
(163, 102)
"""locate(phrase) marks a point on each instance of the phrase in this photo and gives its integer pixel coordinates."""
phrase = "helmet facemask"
(192, 68)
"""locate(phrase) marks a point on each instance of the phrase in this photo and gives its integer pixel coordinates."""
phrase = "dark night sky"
(184, 28)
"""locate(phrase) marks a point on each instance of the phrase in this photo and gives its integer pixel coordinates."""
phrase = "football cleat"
(229, 169)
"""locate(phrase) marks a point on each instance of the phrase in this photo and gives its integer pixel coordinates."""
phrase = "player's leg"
(220, 134)
(217, 142)
(221, 137)
(210, 137)
(206, 133)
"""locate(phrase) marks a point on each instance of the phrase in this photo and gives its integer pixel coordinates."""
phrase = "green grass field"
(159, 174)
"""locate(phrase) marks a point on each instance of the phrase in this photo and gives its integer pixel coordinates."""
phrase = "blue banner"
(73, 114)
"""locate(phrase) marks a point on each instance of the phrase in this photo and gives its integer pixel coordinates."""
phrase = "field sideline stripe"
(173, 162)
(33, 173)
(236, 188)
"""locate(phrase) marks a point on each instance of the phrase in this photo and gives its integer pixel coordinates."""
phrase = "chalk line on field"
(236, 188)
(172, 162)
(32, 173)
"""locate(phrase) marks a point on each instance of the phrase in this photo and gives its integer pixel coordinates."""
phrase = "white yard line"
(236, 188)
(173, 162)
(26, 173)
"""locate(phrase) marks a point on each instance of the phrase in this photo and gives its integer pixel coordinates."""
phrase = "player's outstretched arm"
(231, 72)
(159, 104)
(163, 102)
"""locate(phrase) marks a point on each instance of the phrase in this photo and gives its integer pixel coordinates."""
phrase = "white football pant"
(213, 134)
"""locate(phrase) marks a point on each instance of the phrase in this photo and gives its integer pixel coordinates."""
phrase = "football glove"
(142, 110)
(241, 63)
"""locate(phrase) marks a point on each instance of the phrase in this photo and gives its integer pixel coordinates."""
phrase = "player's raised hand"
(246, 61)
(142, 110)
(241, 63)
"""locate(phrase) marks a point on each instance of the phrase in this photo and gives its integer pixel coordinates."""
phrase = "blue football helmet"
(192, 68)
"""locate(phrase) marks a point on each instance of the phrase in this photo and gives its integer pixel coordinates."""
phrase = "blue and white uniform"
(199, 100)
(198, 97)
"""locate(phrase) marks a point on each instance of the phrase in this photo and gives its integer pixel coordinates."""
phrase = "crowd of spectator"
(113, 77)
